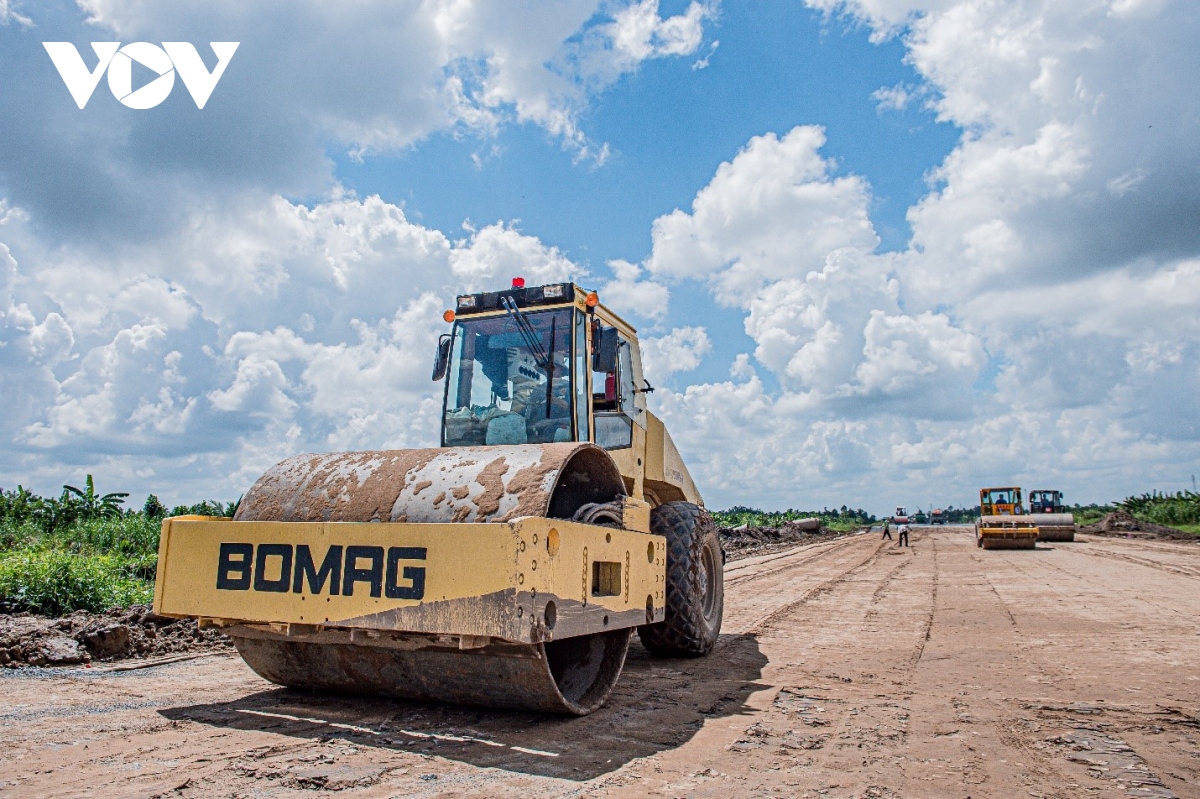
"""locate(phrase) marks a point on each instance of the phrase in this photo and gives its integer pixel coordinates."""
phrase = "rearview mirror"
(442, 361)
(604, 350)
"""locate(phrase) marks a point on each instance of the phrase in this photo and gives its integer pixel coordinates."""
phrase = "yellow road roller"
(506, 568)
(1003, 523)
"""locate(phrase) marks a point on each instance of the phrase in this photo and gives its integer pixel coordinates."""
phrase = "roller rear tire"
(695, 583)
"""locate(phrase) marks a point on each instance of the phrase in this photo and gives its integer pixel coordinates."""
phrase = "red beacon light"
(518, 283)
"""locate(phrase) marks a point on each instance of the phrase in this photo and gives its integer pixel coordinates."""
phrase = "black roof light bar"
(519, 295)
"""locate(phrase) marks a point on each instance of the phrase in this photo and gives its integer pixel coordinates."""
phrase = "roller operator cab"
(1045, 501)
(1000, 502)
(507, 567)
(550, 364)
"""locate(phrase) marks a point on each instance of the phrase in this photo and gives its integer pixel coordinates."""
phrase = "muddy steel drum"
(460, 484)
(1015, 531)
(1054, 526)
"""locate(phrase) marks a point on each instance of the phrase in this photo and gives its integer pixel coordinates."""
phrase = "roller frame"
(1006, 532)
(483, 582)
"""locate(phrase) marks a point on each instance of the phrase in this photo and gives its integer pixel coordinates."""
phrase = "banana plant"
(92, 505)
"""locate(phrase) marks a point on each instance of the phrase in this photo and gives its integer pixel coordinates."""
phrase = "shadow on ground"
(657, 705)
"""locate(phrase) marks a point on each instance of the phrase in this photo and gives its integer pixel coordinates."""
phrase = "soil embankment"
(82, 637)
(1122, 525)
(746, 541)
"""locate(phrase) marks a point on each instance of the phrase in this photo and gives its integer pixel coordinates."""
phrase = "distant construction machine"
(1047, 511)
(507, 567)
(1002, 522)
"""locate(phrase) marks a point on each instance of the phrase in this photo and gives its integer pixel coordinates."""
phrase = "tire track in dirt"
(766, 622)
(733, 575)
(1182, 571)
(1045, 743)
(928, 625)
(884, 585)
(1061, 569)
(804, 707)
(1012, 620)
(1041, 768)
(829, 724)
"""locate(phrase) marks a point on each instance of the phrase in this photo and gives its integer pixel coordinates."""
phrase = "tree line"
(55, 514)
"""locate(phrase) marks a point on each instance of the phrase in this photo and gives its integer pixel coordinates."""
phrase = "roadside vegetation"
(843, 518)
(1090, 514)
(1180, 510)
(82, 550)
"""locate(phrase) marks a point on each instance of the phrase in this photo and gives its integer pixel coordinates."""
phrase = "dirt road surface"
(847, 668)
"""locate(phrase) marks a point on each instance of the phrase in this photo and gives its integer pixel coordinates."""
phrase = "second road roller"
(508, 567)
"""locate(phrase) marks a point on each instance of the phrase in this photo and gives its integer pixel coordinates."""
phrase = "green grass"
(81, 550)
(93, 564)
(843, 525)
(134, 534)
(1090, 515)
(54, 583)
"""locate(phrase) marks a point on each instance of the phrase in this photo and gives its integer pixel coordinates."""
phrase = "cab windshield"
(510, 380)
(1003, 496)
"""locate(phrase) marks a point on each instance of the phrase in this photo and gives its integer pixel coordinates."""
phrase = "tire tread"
(682, 633)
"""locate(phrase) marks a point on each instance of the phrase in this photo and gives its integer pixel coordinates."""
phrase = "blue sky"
(774, 66)
(880, 251)
(670, 124)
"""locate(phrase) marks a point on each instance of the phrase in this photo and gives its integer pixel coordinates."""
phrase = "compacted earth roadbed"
(847, 668)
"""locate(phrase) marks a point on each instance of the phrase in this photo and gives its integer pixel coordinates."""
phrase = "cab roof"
(548, 295)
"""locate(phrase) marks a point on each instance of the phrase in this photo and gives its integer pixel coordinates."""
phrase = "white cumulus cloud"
(1039, 324)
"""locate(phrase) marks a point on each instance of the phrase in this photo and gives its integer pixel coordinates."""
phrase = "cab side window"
(626, 393)
(613, 399)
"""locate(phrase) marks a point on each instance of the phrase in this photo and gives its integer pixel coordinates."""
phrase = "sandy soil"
(848, 669)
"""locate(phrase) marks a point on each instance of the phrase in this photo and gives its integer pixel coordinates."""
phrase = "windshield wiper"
(527, 332)
(544, 360)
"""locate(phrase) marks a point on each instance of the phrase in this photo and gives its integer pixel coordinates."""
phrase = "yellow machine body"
(506, 568)
(526, 581)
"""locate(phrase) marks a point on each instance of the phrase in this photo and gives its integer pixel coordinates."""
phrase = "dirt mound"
(742, 542)
(82, 637)
(1123, 525)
